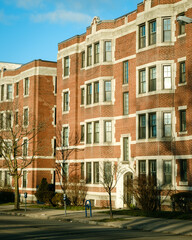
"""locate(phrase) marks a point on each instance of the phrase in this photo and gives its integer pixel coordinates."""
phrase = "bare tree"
(69, 174)
(110, 173)
(17, 144)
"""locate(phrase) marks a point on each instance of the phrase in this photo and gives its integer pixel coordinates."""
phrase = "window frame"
(26, 86)
(88, 172)
(167, 124)
(152, 39)
(107, 52)
(183, 170)
(96, 52)
(96, 132)
(142, 36)
(126, 72)
(24, 180)
(83, 59)
(107, 91)
(142, 128)
(107, 131)
(152, 79)
(167, 30)
(89, 133)
(167, 77)
(9, 92)
(152, 126)
(142, 81)
(96, 92)
(65, 136)
(96, 172)
(182, 77)
(168, 173)
(182, 120)
(89, 55)
(125, 149)
(25, 117)
(66, 101)
(66, 66)
(125, 103)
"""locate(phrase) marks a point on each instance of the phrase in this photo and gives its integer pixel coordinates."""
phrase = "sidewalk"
(171, 226)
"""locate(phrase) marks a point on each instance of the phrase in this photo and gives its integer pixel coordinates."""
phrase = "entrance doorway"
(128, 198)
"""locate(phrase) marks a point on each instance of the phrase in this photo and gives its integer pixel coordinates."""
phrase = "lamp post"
(184, 20)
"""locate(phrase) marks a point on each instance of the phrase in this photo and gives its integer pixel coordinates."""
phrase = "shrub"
(6, 195)
(57, 200)
(44, 194)
(182, 201)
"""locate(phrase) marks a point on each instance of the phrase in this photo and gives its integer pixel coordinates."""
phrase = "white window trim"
(65, 91)
(65, 126)
(25, 138)
(26, 107)
(24, 170)
(26, 95)
(63, 68)
(129, 146)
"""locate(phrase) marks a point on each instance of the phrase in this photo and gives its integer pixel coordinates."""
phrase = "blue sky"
(32, 29)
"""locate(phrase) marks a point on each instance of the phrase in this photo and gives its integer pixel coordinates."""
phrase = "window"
(55, 116)
(142, 36)
(65, 101)
(167, 124)
(142, 168)
(152, 79)
(89, 94)
(83, 59)
(1, 179)
(54, 146)
(88, 172)
(183, 170)
(25, 147)
(17, 88)
(66, 66)
(167, 172)
(82, 171)
(82, 133)
(82, 96)
(108, 131)
(183, 120)
(167, 77)
(96, 53)
(8, 120)
(125, 149)
(181, 26)
(9, 91)
(55, 85)
(142, 81)
(152, 125)
(152, 32)
(65, 170)
(125, 103)
(107, 51)
(95, 172)
(26, 117)
(2, 92)
(125, 72)
(65, 137)
(89, 55)
(182, 72)
(1, 121)
(26, 86)
(153, 170)
(24, 179)
(96, 132)
(142, 126)
(107, 173)
(96, 92)
(107, 91)
(166, 30)
(89, 132)
(7, 179)
(1, 155)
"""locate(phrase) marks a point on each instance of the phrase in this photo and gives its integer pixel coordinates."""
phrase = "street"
(15, 227)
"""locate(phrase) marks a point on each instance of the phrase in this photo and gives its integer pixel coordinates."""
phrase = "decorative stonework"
(94, 23)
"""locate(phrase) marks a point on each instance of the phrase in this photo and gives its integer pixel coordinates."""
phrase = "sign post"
(25, 196)
(64, 199)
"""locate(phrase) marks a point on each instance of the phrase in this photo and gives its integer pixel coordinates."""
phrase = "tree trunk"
(16, 193)
(110, 205)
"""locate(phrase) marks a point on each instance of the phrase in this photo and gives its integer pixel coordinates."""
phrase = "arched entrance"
(128, 198)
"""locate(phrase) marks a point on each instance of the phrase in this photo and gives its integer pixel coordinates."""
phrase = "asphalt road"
(14, 227)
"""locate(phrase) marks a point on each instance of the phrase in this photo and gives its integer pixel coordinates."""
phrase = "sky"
(32, 29)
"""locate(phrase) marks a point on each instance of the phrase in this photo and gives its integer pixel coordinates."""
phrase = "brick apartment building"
(28, 92)
(124, 87)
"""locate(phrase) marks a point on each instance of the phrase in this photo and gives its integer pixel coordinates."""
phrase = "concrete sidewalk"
(171, 226)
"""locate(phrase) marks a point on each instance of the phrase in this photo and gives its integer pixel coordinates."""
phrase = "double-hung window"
(142, 168)
(96, 172)
(65, 101)
(152, 79)
(167, 129)
(108, 131)
(142, 36)
(167, 77)
(96, 132)
(125, 149)
(152, 125)
(107, 51)
(26, 117)
(65, 136)
(181, 26)
(142, 126)
(82, 133)
(125, 72)
(96, 53)
(89, 94)
(183, 170)
(182, 72)
(66, 66)
(83, 59)
(183, 120)
(8, 120)
(82, 96)
(88, 172)
(26, 86)
(167, 172)
(24, 179)
(152, 32)
(17, 89)
(25, 147)
(89, 55)
(125, 103)
(142, 81)
(96, 92)
(153, 170)
(108, 176)
(82, 171)
(89, 133)
(9, 91)
(107, 91)
(167, 30)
